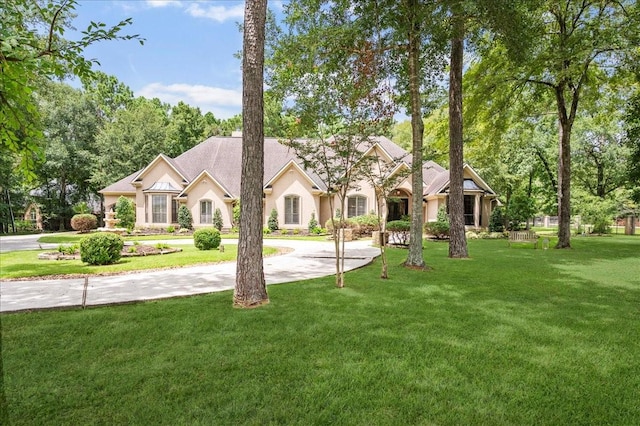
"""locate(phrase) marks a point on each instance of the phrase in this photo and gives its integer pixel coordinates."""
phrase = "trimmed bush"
(206, 238)
(217, 219)
(272, 223)
(126, 212)
(103, 248)
(440, 228)
(185, 220)
(348, 223)
(398, 226)
(84, 222)
(366, 224)
(399, 231)
(313, 223)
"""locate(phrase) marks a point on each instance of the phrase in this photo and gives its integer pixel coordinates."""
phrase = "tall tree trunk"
(564, 172)
(415, 257)
(458, 241)
(250, 289)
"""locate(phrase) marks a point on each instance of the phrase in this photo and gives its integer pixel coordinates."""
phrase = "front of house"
(207, 177)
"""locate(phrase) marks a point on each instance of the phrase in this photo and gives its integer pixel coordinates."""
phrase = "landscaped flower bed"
(127, 251)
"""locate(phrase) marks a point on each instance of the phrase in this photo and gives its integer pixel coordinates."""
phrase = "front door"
(397, 208)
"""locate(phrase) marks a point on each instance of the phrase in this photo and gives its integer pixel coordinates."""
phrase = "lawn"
(25, 264)
(509, 336)
(72, 237)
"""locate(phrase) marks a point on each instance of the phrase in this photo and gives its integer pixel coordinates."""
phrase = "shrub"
(236, 214)
(25, 226)
(171, 229)
(103, 248)
(348, 223)
(272, 223)
(266, 231)
(366, 224)
(67, 249)
(161, 246)
(313, 223)
(217, 219)
(496, 220)
(81, 208)
(206, 238)
(296, 231)
(126, 212)
(185, 220)
(440, 228)
(520, 208)
(399, 230)
(84, 222)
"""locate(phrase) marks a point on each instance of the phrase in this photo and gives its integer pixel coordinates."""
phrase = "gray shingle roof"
(221, 157)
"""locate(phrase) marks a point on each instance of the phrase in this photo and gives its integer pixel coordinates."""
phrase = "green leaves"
(33, 50)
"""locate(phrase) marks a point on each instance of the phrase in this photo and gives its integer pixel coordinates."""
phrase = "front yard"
(509, 336)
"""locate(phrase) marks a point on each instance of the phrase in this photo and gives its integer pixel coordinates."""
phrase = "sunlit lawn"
(70, 238)
(22, 264)
(510, 336)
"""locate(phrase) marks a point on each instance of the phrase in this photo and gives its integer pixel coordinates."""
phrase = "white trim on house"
(136, 180)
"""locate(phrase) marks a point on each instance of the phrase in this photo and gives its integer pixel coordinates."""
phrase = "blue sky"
(188, 54)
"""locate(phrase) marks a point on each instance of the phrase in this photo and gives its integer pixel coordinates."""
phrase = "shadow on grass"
(512, 336)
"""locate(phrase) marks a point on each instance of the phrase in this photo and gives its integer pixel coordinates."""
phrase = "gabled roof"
(220, 159)
(440, 185)
(159, 158)
(204, 174)
(293, 163)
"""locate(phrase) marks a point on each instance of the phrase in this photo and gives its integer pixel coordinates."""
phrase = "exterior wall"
(206, 189)
(161, 172)
(433, 205)
(364, 190)
(292, 182)
(486, 212)
(111, 200)
(325, 211)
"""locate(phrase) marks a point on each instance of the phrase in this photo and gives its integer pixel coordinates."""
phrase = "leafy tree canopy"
(33, 48)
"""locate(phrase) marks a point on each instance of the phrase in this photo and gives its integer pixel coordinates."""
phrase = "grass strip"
(25, 264)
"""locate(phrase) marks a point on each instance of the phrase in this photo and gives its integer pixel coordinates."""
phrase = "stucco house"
(207, 177)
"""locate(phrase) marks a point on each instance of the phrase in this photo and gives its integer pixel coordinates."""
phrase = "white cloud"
(223, 103)
(163, 3)
(216, 13)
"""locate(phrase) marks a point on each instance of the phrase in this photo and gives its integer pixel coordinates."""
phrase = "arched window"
(356, 205)
(292, 210)
(206, 212)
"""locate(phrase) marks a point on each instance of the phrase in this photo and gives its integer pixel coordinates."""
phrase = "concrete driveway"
(308, 259)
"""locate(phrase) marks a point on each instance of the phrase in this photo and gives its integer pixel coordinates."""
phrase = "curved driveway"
(308, 259)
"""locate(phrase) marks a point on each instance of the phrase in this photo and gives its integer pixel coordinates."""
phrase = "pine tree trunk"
(457, 239)
(415, 257)
(250, 289)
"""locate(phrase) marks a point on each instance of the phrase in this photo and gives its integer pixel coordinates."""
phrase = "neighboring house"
(208, 176)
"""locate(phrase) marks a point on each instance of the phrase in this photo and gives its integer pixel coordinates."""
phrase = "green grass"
(24, 264)
(509, 336)
(75, 237)
(71, 238)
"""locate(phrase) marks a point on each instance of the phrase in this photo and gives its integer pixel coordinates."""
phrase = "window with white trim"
(356, 205)
(206, 212)
(292, 210)
(159, 208)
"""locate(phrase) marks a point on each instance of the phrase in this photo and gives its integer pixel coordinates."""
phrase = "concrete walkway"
(309, 259)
